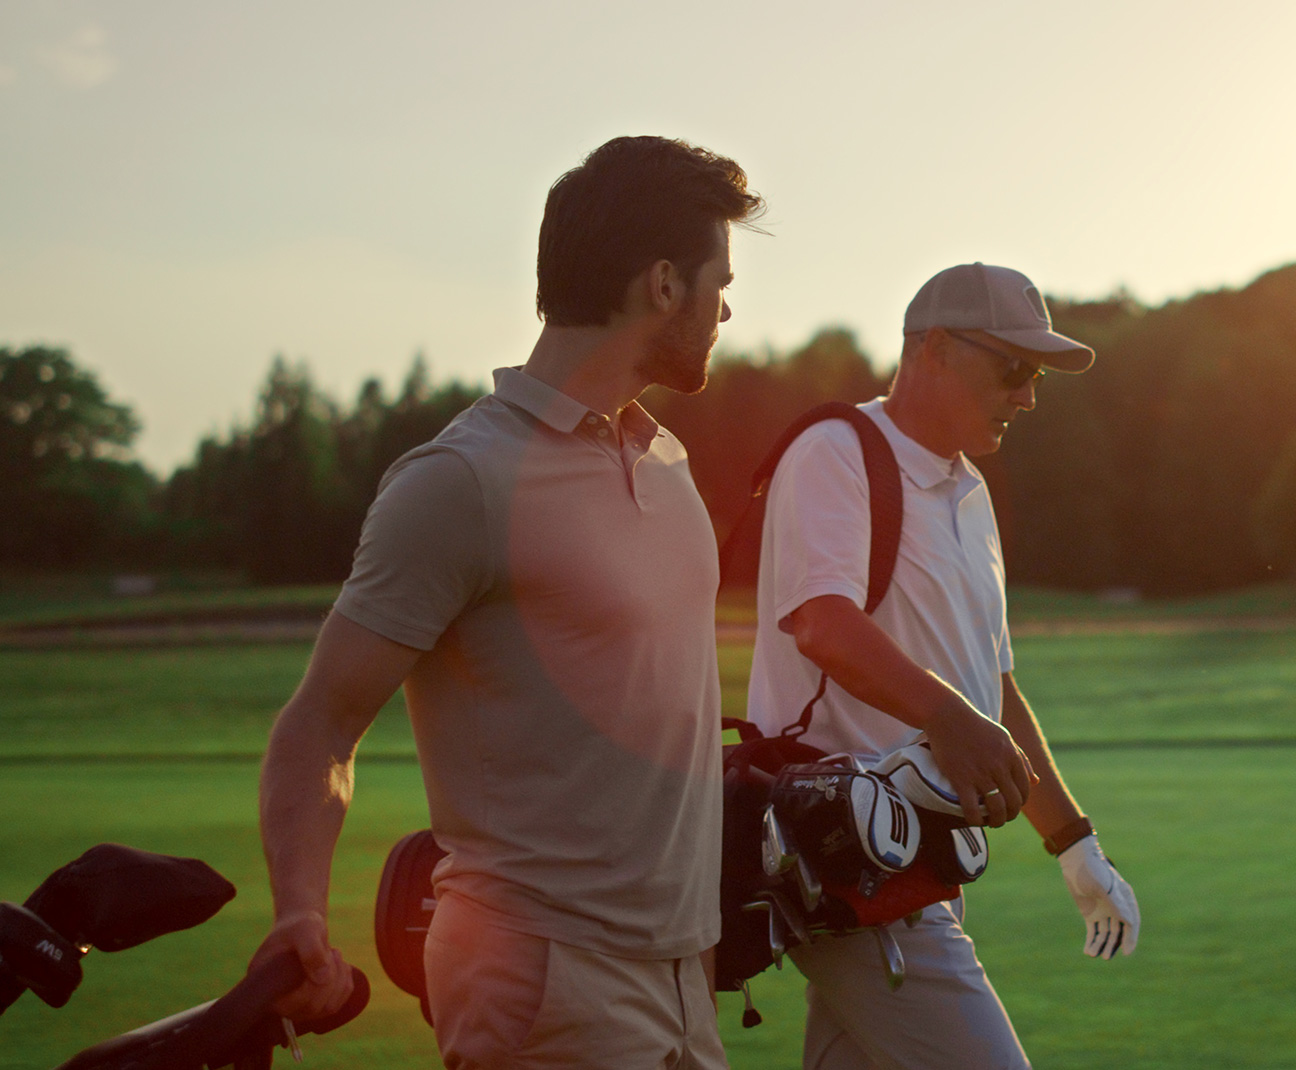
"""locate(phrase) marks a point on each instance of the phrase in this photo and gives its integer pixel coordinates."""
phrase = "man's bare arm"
(307, 781)
(975, 753)
(1051, 805)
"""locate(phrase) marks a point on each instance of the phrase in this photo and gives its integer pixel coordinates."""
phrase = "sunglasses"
(1020, 371)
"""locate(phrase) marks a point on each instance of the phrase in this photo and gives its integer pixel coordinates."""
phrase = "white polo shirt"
(562, 580)
(946, 606)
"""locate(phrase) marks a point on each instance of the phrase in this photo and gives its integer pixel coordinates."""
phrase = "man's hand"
(977, 756)
(986, 769)
(1104, 897)
(328, 981)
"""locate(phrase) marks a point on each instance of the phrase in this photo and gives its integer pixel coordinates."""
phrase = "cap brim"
(1057, 351)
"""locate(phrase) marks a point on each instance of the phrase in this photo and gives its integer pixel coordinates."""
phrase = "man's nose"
(725, 313)
(1024, 396)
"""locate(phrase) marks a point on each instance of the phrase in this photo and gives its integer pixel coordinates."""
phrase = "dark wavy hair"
(630, 203)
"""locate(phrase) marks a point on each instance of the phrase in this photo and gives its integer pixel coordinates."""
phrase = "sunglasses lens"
(1019, 373)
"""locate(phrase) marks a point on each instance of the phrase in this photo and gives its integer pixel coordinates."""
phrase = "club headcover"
(971, 852)
(913, 770)
(885, 822)
(115, 897)
(838, 817)
(33, 955)
(957, 854)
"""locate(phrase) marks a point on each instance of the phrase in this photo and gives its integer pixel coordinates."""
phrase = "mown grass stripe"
(412, 759)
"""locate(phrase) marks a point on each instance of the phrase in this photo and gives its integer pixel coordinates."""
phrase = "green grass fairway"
(1161, 737)
(206, 810)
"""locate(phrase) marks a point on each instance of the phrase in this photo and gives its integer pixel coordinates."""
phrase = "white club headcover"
(1104, 897)
(970, 851)
(885, 820)
(913, 770)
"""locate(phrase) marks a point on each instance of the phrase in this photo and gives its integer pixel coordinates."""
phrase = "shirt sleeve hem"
(789, 605)
(389, 629)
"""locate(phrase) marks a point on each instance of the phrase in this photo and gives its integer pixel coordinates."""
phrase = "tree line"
(1169, 467)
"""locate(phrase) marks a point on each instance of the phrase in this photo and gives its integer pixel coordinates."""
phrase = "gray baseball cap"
(1001, 302)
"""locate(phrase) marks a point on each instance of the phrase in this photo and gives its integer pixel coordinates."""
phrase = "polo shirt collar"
(542, 401)
(562, 413)
(924, 468)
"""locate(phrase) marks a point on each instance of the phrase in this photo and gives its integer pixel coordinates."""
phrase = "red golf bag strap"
(886, 510)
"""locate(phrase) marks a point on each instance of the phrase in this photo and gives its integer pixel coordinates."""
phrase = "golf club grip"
(356, 1002)
(242, 1020)
(267, 1032)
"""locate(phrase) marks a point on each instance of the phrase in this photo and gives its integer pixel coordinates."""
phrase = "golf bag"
(403, 912)
(116, 897)
(818, 845)
(112, 897)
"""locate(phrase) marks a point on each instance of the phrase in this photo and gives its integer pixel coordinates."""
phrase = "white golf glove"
(1104, 897)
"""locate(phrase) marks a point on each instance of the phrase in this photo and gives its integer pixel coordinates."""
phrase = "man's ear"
(936, 345)
(665, 286)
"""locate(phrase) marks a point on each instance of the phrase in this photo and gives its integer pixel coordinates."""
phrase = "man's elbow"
(813, 631)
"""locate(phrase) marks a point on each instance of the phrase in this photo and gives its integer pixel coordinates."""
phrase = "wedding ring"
(992, 791)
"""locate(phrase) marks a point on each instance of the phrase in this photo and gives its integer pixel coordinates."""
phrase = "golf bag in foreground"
(116, 897)
(112, 898)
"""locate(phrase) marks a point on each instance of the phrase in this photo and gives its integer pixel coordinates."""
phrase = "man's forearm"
(867, 663)
(1051, 805)
(975, 754)
(307, 782)
(307, 778)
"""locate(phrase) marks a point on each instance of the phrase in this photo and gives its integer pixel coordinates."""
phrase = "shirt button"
(591, 419)
(602, 432)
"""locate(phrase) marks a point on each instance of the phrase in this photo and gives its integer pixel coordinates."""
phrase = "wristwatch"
(1069, 834)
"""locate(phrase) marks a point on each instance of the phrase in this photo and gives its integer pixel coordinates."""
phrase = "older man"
(934, 658)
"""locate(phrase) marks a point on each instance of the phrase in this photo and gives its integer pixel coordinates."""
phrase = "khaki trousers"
(502, 1000)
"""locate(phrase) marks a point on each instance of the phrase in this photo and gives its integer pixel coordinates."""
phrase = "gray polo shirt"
(567, 708)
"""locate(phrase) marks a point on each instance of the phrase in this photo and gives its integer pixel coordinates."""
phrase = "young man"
(935, 657)
(540, 578)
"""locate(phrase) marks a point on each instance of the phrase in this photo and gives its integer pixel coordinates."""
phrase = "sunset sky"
(188, 189)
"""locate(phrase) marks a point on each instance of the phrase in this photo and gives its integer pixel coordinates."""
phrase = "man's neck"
(914, 421)
(592, 365)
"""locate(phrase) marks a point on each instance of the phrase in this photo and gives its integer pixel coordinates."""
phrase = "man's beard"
(678, 354)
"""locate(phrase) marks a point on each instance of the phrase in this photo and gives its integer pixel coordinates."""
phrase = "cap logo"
(1037, 303)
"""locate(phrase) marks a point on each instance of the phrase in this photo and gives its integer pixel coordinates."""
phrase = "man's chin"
(985, 448)
(683, 378)
(682, 385)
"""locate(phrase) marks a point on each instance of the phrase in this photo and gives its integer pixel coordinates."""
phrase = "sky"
(189, 189)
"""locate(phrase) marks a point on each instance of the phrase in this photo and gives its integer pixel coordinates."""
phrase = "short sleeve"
(817, 522)
(424, 551)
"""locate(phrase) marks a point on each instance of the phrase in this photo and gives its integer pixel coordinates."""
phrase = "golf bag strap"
(802, 723)
(745, 729)
(886, 510)
(886, 497)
